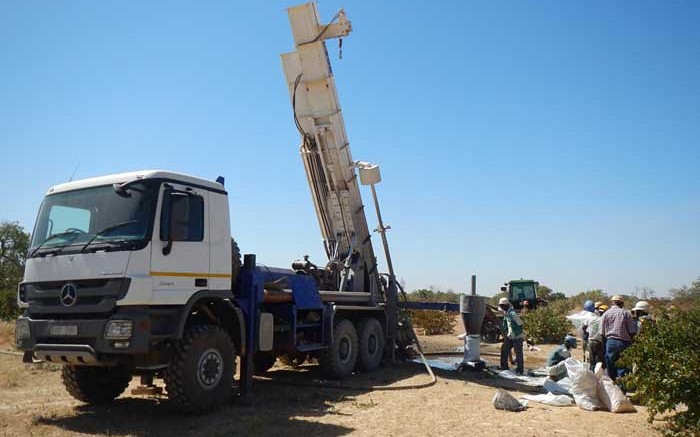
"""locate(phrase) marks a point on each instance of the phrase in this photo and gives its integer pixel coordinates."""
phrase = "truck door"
(180, 255)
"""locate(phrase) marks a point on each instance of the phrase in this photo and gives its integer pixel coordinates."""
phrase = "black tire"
(200, 375)
(263, 361)
(95, 385)
(371, 344)
(490, 335)
(338, 361)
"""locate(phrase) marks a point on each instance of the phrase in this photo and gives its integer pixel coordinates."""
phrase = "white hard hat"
(642, 305)
(503, 301)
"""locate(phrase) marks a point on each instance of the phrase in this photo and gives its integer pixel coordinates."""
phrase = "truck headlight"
(22, 331)
(119, 329)
(22, 295)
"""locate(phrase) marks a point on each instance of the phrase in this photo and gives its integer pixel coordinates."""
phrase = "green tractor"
(518, 292)
(521, 291)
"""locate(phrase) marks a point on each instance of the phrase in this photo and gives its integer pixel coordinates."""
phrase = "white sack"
(584, 385)
(610, 394)
(550, 399)
(577, 319)
(556, 388)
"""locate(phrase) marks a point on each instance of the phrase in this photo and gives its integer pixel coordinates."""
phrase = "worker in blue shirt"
(556, 369)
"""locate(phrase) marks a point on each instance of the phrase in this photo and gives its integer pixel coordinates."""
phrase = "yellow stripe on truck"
(192, 275)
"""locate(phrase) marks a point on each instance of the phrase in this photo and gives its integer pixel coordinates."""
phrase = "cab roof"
(119, 178)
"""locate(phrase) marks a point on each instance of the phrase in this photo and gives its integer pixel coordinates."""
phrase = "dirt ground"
(34, 403)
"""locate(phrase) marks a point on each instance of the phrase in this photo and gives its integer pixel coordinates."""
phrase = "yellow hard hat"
(602, 307)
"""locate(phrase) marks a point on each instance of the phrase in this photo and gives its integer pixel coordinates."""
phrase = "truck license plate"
(64, 330)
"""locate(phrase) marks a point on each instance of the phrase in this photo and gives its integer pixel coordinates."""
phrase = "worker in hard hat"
(640, 313)
(596, 343)
(512, 327)
(617, 328)
(589, 307)
(556, 369)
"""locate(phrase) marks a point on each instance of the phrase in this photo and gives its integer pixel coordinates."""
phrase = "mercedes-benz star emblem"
(69, 294)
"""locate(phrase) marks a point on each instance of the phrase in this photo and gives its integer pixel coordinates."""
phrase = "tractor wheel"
(200, 375)
(263, 361)
(371, 344)
(490, 337)
(95, 385)
(338, 361)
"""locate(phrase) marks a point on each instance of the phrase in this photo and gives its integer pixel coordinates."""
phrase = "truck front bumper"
(81, 341)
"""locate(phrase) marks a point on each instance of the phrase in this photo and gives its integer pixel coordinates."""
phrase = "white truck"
(137, 274)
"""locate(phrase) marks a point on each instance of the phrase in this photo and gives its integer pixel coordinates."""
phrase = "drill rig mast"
(325, 151)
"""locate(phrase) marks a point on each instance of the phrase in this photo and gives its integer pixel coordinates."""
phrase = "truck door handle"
(200, 282)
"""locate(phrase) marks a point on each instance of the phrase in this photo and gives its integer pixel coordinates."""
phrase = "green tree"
(557, 295)
(543, 292)
(595, 294)
(422, 295)
(14, 243)
(432, 295)
(665, 360)
(493, 300)
(545, 325)
(687, 293)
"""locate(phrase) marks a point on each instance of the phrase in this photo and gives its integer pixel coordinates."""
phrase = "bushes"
(561, 306)
(545, 325)
(434, 322)
(665, 359)
(8, 305)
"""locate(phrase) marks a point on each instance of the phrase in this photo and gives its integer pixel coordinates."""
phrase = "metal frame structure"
(325, 150)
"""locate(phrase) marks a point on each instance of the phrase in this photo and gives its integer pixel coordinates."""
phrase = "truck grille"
(86, 296)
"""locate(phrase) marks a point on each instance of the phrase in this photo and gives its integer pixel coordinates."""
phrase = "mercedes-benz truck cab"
(113, 263)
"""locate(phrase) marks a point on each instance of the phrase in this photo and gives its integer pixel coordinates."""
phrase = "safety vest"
(509, 319)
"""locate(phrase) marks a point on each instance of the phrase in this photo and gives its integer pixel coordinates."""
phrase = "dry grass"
(7, 335)
(33, 402)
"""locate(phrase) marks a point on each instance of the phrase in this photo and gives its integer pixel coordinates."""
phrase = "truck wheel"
(338, 361)
(263, 361)
(95, 385)
(371, 344)
(200, 375)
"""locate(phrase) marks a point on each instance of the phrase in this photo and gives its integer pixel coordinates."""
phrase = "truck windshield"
(99, 216)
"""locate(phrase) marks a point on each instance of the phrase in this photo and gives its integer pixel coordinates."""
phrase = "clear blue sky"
(554, 140)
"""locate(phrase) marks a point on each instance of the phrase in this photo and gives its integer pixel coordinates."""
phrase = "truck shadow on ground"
(285, 403)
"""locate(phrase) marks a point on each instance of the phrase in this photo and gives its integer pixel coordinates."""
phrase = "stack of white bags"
(591, 390)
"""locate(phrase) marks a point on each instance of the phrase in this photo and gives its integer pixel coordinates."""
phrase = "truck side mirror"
(174, 218)
(504, 289)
